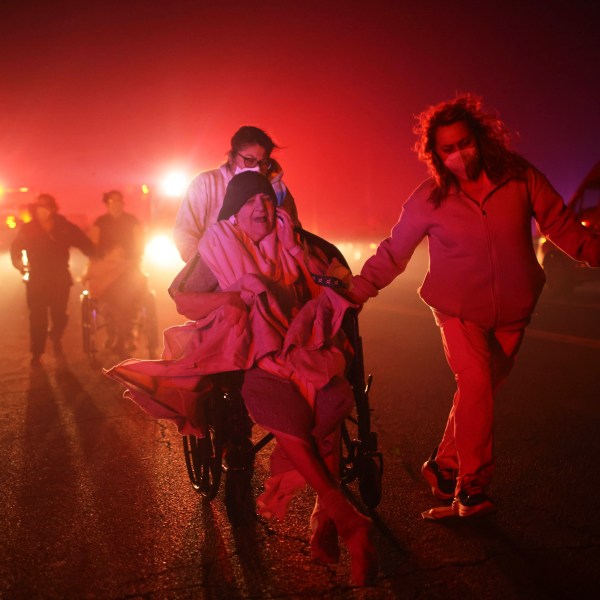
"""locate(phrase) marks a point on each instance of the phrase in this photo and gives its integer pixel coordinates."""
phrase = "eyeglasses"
(251, 162)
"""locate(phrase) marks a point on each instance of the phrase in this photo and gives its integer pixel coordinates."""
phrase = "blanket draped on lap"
(280, 331)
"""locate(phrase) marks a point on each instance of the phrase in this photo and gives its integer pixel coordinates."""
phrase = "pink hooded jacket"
(482, 263)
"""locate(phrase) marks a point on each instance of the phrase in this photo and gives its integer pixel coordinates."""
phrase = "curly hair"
(491, 137)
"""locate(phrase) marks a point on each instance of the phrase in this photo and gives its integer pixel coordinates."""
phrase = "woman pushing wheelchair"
(257, 309)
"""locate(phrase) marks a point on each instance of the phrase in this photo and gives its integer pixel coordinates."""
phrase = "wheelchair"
(97, 325)
(227, 449)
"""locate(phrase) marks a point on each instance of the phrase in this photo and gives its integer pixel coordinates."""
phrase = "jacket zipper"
(492, 264)
(490, 249)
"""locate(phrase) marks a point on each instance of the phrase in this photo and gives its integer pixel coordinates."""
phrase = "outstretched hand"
(347, 294)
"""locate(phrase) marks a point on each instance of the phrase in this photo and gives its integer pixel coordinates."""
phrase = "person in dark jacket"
(41, 251)
(483, 279)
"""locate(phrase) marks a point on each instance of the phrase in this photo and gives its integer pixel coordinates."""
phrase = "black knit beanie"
(241, 188)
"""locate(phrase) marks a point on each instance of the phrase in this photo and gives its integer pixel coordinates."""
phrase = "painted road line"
(539, 334)
(571, 304)
(550, 336)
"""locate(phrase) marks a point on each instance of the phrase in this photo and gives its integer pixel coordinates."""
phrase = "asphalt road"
(95, 500)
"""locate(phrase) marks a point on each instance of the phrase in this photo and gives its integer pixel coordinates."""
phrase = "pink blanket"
(300, 343)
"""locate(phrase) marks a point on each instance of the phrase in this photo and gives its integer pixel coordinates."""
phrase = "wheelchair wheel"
(204, 456)
(203, 460)
(148, 329)
(360, 458)
(370, 472)
(361, 461)
(350, 450)
(239, 463)
(89, 325)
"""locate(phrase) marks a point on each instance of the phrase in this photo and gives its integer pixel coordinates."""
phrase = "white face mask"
(463, 163)
(256, 169)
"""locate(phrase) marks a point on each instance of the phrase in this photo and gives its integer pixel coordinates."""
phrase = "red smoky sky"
(102, 95)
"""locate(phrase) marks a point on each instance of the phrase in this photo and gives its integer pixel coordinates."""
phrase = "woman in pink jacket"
(483, 279)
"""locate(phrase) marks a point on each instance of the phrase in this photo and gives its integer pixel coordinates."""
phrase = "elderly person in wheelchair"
(262, 313)
(114, 277)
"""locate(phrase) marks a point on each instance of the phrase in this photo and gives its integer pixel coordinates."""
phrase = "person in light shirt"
(251, 150)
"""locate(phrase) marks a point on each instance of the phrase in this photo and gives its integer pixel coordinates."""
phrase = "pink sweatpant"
(480, 358)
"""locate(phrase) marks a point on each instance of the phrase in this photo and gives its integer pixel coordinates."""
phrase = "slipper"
(439, 512)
